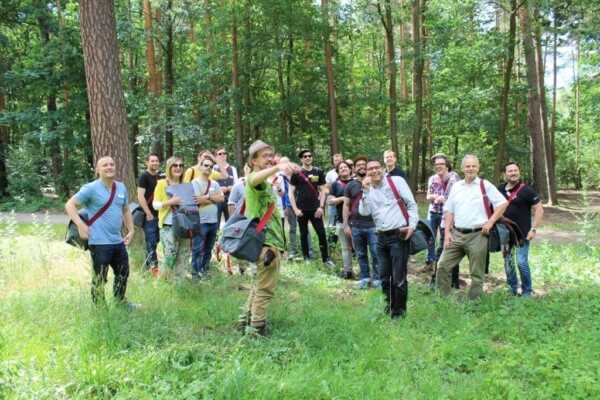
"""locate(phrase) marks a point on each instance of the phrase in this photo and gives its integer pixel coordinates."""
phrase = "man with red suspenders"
(521, 200)
(106, 201)
(145, 195)
(308, 201)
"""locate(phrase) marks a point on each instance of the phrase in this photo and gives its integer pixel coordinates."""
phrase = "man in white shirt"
(467, 226)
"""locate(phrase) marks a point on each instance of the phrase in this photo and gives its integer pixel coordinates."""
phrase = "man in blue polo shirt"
(107, 245)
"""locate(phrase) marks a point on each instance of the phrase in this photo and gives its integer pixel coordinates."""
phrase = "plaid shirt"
(440, 187)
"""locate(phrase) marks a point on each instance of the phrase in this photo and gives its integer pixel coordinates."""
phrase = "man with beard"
(361, 228)
(381, 199)
(336, 199)
(468, 226)
(522, 199)
(307, 199)
(145, 195)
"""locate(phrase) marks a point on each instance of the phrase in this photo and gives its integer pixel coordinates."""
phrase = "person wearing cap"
(467, 227)
(438, 190)
(308, 201)
(361, 228)
(259, 197)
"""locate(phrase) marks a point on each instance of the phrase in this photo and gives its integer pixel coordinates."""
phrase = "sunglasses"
(222, 153)
(177, 166)
(207, 166)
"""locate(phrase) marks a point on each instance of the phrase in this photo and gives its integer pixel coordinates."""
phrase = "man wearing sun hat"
(259, 196)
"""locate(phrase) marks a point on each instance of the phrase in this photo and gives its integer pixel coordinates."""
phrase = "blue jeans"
(116, 256)
(435, 219)
(365, 240)
(202, 247)
(152, 235)
(524, 271)
(393, 256)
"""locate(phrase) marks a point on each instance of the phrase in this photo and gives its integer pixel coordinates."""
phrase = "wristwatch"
(533, 230)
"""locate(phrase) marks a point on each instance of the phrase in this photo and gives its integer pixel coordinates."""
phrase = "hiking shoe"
(329, 264)
(363, 284)
(256, 331)
(346, 275)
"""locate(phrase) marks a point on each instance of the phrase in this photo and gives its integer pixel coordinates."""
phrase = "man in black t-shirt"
(145, 194)
(307, 200)
(361, 228)
(522, 199)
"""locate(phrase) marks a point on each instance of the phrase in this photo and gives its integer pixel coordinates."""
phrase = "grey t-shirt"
(236, 197)
(208, 213)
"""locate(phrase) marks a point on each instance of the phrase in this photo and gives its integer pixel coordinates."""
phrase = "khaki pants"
(475, 247)
(263, 290)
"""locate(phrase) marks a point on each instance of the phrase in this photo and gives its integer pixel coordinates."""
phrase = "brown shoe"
(428, 268)
(154, 271)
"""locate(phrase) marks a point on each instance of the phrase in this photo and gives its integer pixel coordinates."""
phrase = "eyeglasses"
(268, 155)
(439, 164)
(207, 166)
(222, 153)
(177, 166)
(307, 156)
(374, 168)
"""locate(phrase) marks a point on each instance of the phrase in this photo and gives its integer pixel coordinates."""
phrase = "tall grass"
(328, 340)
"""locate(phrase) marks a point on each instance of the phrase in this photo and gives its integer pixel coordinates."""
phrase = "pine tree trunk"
(418, 66)
(4, 141)
(331, 99)
(235, 86)
(104, 89)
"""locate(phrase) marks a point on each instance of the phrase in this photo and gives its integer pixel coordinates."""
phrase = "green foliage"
(328, 340)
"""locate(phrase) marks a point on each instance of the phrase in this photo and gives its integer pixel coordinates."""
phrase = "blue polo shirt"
(107, 228)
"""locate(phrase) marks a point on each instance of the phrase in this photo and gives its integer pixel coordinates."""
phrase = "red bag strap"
(113, 190)
(207, 188)
(243, 207)
(355, 202)
(514, 193)
(398, 198)
(309, 183)
(486, 200)
(263, 221)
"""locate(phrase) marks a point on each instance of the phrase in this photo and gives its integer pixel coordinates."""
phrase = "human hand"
(127, 238)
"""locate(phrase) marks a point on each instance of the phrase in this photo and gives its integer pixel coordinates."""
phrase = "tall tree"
(3, 138)
(418, 66)
(533, 102)
(235, 86)
(105, 91)
(332, 106)
(153, 76)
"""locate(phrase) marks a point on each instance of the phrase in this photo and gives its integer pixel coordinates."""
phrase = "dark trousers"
(317, 223)
(222, 210)
(116, 256)
(393, 255)
(152, 236)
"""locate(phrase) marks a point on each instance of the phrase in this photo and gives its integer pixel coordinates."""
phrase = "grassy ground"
(328, 340)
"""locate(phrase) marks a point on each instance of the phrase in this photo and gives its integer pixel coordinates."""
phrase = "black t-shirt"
(225, 182)
(397, 171)
(148, 182)
(353, 191)
(519, 210)
(307, 198)
(337, 190)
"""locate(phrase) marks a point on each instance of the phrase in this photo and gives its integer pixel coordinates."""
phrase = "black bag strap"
(113, 190)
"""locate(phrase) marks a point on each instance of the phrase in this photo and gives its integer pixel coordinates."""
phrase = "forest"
(504, 79)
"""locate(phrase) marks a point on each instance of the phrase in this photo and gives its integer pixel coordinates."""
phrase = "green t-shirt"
(258, 200)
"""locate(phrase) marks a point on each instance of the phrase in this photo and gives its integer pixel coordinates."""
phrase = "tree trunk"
(235, 87)
(418, 66)
(404, 92)
(390, 57)
(134, 129)
(105, 92)
(577, 116)
(548, 151)
(506, 76)
(533, 101)
(169, 82)
(215, 133)
(153, 77)
(332, 108)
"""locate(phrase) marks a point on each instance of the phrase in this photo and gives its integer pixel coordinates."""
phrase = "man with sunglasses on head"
(307, 198)
(225, 183)
(207, 195)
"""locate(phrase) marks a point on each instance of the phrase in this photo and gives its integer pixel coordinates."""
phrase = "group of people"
(369, 203)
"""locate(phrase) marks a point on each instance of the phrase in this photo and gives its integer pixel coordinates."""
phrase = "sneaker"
(329, 264)
(376, 284)
(363, 284)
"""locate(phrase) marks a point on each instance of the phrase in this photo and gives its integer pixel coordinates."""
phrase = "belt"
(465, 231)
(392, 232)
